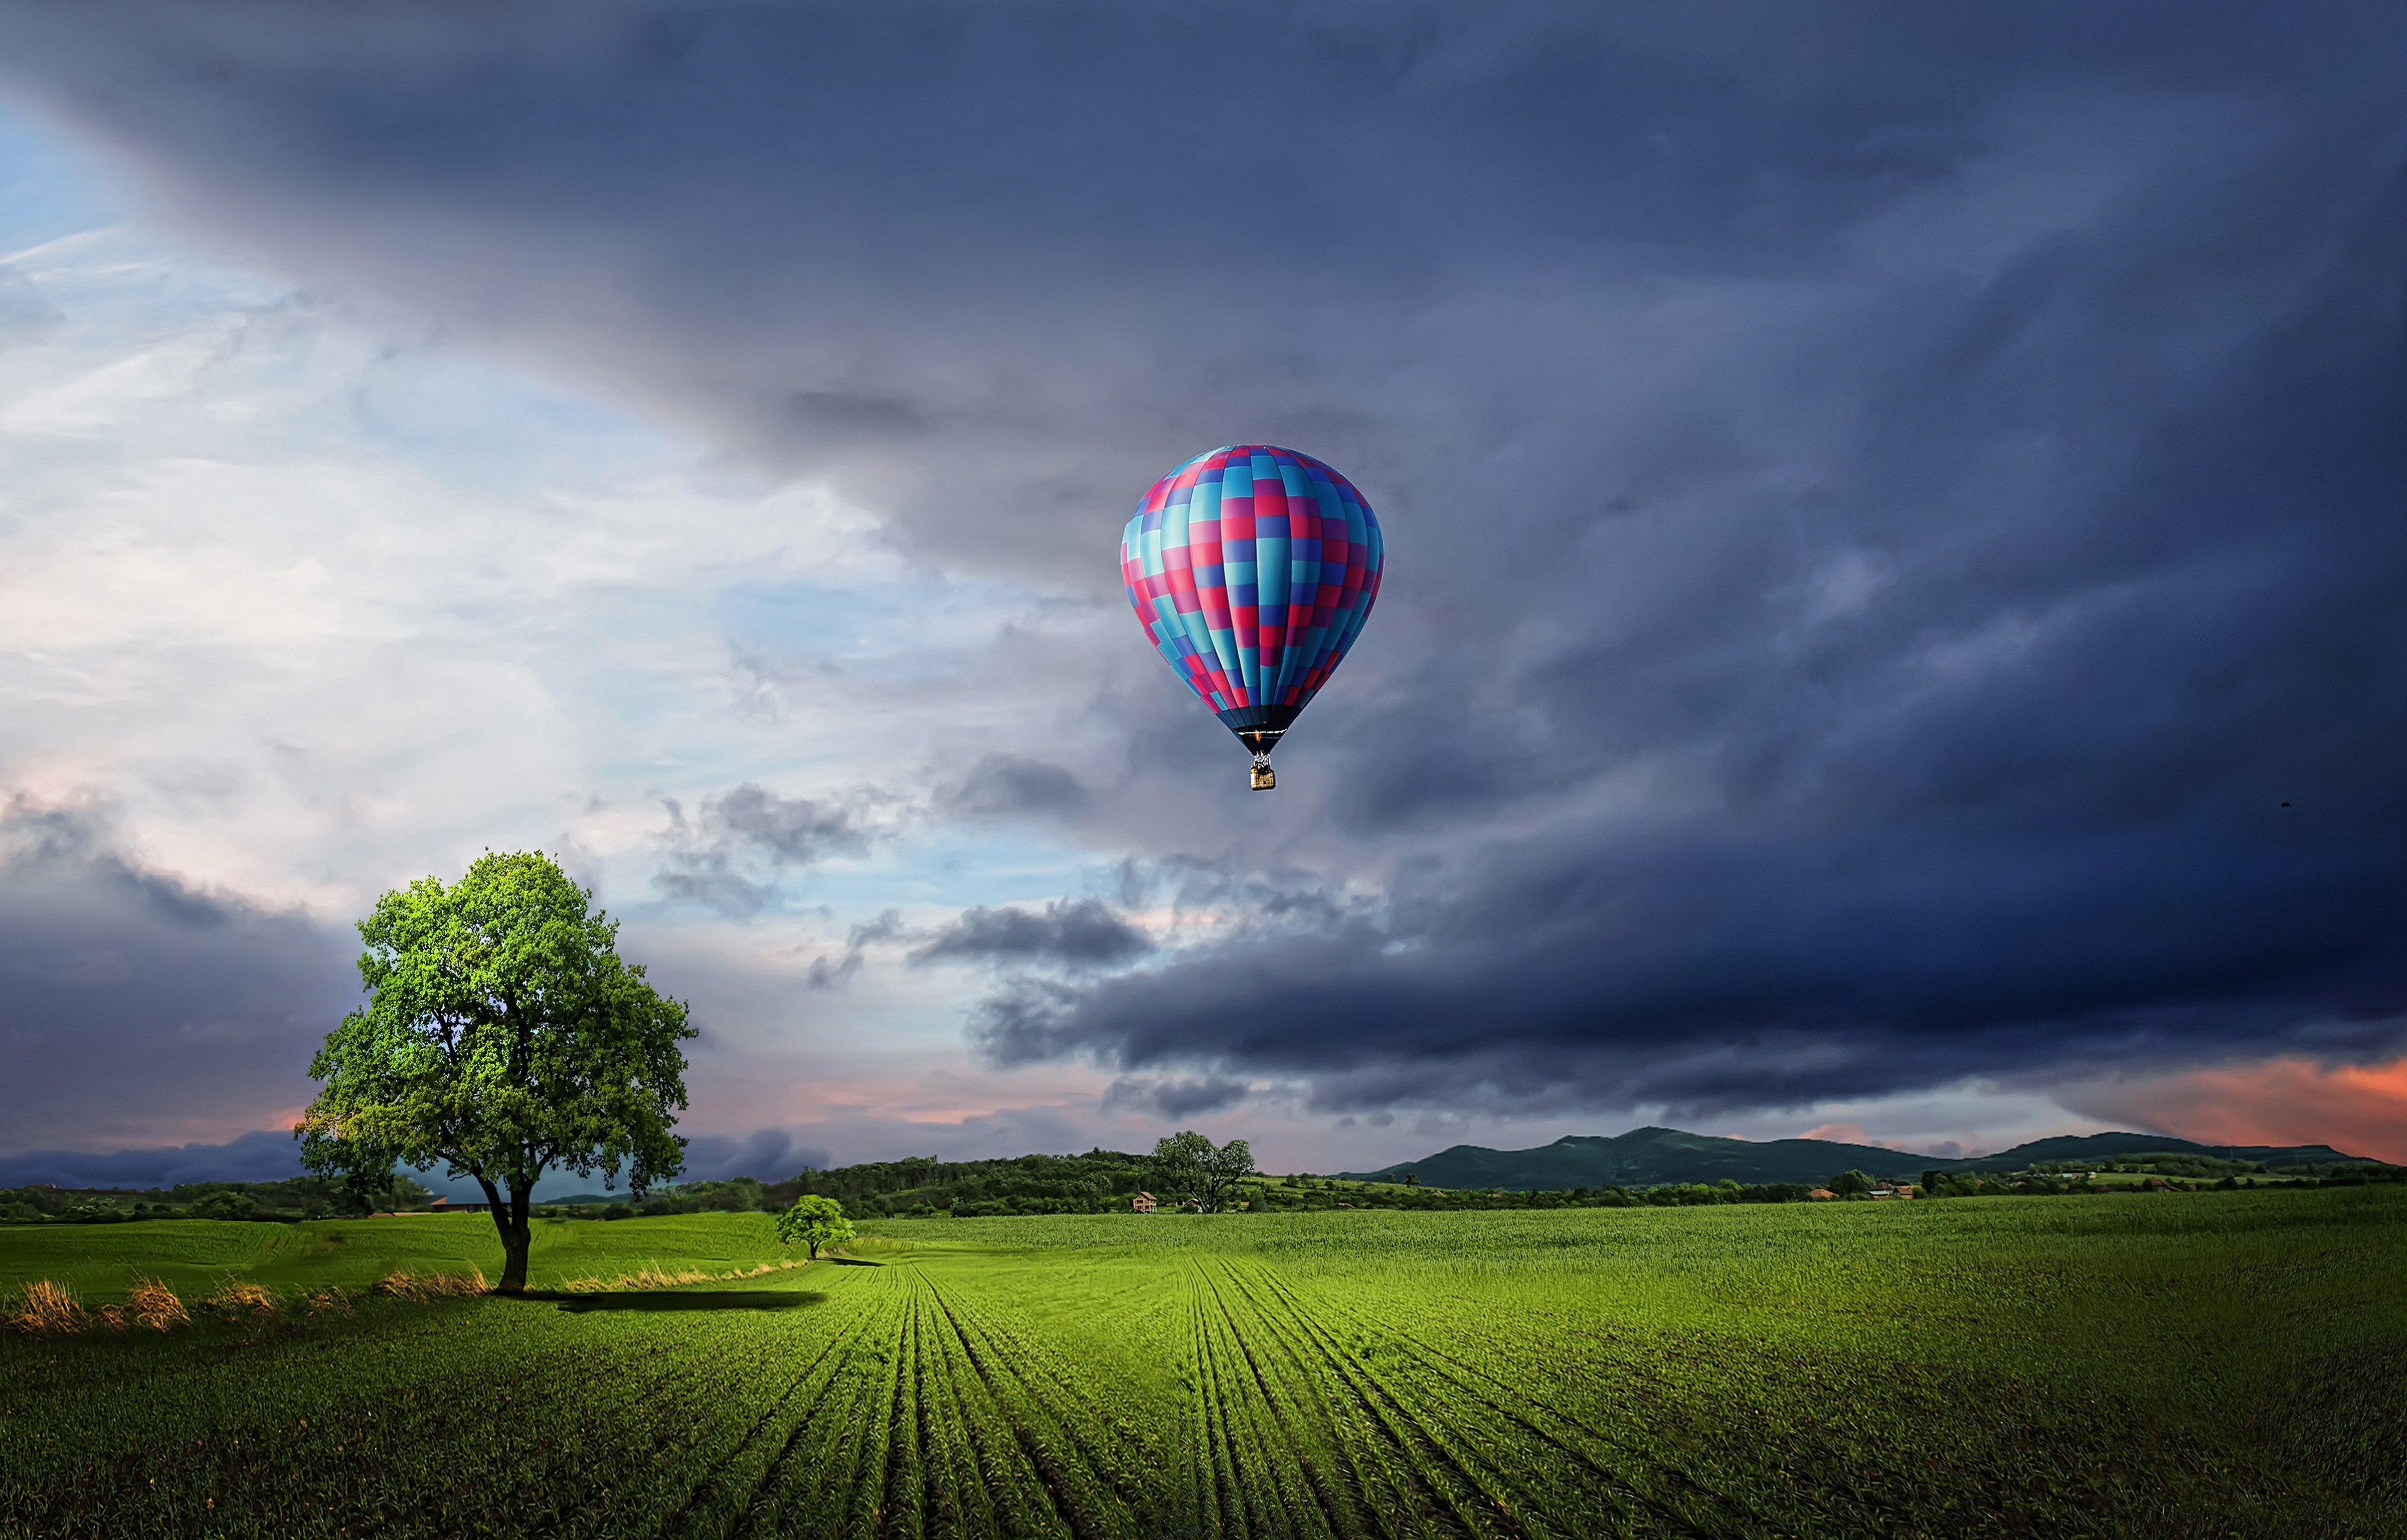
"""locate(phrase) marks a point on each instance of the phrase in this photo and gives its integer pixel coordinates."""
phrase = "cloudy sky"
(1891, 627)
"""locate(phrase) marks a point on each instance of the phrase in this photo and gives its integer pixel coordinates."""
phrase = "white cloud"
(315, 609)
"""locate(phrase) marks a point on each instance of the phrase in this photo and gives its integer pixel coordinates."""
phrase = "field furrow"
(1319, 1489)
(977, 1494)
(732, 1481)
(1061, 1463)
(2223, 1365)
(1533, 1463)
(1441, 1490)
(808, 1486)
(1610, 1456)
(924, 1421)
(1223, 1413)
(1303, 1449)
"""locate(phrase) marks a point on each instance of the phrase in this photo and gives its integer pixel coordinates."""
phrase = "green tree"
(225, 1205)
(502, 1037)
(363, 1179)
(1851, 1185)
(1195, 1168)
(816, 1221)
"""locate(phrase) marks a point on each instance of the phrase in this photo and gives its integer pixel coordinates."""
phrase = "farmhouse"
(1143, 1203)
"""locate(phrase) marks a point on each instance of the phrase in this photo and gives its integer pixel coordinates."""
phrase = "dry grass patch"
(152, 1304)
(240, 1301)
(404, 1284)
(327, 1300)
(46, 1310)
(654, 1277)
(658, 1276)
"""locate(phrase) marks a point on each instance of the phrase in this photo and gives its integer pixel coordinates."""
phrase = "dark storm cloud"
(1076, 933)
(790, 830)
(250, 1157)
(770, 1154)
(1005, 785)
(1174, 1099)
(1885, 507)
(960, 256)
(711, 857)
(128, 997)
(1714, 980)
(825, 973)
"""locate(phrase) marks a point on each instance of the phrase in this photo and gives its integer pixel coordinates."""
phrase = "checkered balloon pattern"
(1252, 569)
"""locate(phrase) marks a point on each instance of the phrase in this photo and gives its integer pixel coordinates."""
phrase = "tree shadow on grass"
(852, 1262)
(721, 1299)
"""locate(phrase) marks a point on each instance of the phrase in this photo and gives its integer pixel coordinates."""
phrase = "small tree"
(502, 1037)
(817, 1221)
(1192, 1165)
(1851, 1185)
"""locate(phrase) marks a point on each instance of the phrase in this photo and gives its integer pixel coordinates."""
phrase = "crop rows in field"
(927, 1417)
(896, 1403)
(1532, 1377)
(1310, 1416)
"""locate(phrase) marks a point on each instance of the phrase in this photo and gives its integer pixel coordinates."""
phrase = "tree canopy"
(817, 1221)
(1191, 1167)
(502, 1037)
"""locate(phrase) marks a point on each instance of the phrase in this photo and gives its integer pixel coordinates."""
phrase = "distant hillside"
(2075, 1146)
(1646, 1157)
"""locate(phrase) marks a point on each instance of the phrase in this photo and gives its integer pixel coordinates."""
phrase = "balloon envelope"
(1252, 569)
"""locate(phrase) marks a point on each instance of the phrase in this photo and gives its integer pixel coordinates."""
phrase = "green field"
(2194, 1365)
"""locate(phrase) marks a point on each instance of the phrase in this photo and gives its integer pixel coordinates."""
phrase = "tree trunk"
(510, 1219)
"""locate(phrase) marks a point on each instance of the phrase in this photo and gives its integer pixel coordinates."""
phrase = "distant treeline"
(2179, 1173)
(920, 1187)
(1308, 1192)
(1092, 1183)
(2181, 1163)
(299, 1198)
(1105, 1181)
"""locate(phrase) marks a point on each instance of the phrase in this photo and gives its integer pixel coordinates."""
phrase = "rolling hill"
(1646, 1157)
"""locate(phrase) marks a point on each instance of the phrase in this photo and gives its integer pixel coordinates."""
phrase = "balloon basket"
(1263, 779)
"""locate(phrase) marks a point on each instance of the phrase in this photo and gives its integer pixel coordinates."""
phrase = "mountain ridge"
(1654, 1156)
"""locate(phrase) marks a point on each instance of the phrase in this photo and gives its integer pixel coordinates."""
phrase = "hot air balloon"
(1252, 569)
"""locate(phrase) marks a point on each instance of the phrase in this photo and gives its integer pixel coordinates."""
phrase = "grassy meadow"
(2173, 1365)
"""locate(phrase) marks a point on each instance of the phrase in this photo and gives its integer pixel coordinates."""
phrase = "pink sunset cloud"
(2359, 1109)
